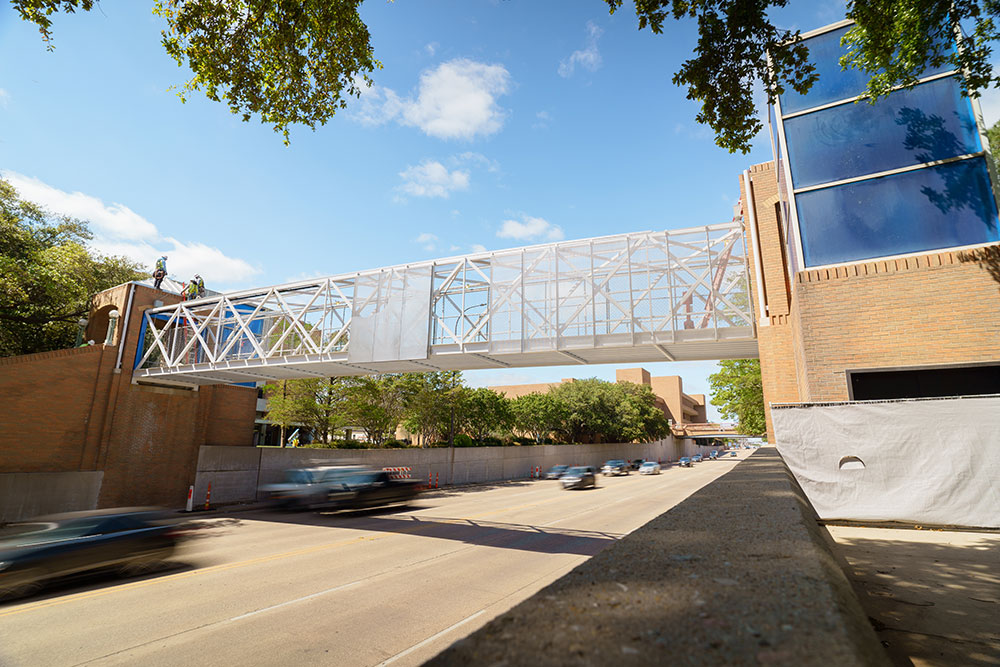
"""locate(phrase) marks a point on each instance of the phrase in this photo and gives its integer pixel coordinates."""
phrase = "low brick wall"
(740, 573)
(24, 495)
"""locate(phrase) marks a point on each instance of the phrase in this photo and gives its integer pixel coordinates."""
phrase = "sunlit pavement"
(932, 595)
(357, 588)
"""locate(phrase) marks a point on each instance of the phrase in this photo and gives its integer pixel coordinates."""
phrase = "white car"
(649, 468)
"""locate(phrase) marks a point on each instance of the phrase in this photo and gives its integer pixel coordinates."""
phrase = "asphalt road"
(392, 586)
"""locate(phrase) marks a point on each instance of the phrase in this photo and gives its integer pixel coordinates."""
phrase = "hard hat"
(197, 277)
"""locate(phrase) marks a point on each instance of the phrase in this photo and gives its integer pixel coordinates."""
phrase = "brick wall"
(47, 400)
(69, 410)
(935, 308)
(918, 311)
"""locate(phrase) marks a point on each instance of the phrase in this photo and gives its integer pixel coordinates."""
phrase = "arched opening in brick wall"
(97, 328)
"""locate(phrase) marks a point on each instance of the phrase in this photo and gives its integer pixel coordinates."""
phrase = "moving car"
(685, 462)
(555, 472)
(697, 458)
(579, 477)
(714, 455)
(370, 488)
(307, 488)
(649, 468)
(615, 467)
(129, 539)
(733, 453)
(637, 463)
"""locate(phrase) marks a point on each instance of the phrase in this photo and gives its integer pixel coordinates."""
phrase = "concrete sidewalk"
(933, 596)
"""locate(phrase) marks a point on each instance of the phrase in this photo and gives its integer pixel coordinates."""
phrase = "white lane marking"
(288, 602)
(431, 638)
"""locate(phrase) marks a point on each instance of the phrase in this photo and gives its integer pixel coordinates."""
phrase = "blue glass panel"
(929, 122)
(834, 83)
(937, 207)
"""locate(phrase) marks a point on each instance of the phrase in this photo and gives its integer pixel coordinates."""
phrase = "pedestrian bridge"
(675, 295)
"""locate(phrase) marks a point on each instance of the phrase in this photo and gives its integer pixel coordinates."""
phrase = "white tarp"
(933, 461)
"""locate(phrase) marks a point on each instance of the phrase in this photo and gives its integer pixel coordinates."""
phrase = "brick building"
(680, 408)
(873, 243)
(77, 415)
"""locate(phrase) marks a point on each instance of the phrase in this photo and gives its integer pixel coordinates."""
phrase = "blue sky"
(491, 125)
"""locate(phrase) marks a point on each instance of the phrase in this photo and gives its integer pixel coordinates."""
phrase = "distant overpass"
(676, 295)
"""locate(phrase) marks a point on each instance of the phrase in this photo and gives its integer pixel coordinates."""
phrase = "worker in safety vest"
(190, 291)
(201, 285)
(160, 272)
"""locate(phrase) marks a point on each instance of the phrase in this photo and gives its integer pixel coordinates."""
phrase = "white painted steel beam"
(628, 298)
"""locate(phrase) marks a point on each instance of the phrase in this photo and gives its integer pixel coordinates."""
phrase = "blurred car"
(130, 539)
(370, 488)
(714, 454)
(649, 468)
(684, 461)
(636, 463)
(697, 458)
(732, 453)
(579, 477)
(307, 488)
(555, 472)
(615, 467)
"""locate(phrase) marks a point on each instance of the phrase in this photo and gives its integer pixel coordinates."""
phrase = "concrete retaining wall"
(24, 495)
(236, 472)
(740, 573)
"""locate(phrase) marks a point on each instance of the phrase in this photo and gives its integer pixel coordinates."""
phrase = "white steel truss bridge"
(649, 296)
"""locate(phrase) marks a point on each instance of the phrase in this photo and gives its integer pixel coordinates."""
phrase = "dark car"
(555, 472)
(129, 539)
(637, 463)
(579, 477)
(684, 462)
(307, 488)
(714, 454)
(615, 467)
(371, 488)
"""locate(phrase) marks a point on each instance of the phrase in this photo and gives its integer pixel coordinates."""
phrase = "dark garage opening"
(925, 382)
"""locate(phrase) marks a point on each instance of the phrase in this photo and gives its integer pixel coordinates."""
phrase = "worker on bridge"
(200, 283)
(190, 290)
(160, 272)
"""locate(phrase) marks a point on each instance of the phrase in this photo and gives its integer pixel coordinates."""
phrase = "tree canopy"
(296, 62)
(738, 392)
(892, 42)
(48, 275)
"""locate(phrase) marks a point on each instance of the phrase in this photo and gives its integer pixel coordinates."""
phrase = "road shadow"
(504, 535)
(930, 602)
(523, 537)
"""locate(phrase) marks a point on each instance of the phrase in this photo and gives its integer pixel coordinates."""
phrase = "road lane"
(343, 588)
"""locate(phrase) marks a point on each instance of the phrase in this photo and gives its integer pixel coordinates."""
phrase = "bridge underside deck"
(337, 365)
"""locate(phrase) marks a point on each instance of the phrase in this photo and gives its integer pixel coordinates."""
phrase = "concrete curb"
(740, 573)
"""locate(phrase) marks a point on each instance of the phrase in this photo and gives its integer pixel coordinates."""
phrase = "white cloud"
(431, 49)
(118, 230)
(478, 160)
(427, 240)
(455, 100)
(4, 98)
(115, 220)
(432, 179)
(477, 247)
(588, 57)
(989, 103)
(530, 228)
(542, 119)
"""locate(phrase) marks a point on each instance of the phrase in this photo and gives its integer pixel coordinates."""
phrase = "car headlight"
(4, 564)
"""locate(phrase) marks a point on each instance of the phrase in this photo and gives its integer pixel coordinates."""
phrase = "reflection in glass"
(937, 207)
(834, 84)
(929, 122)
